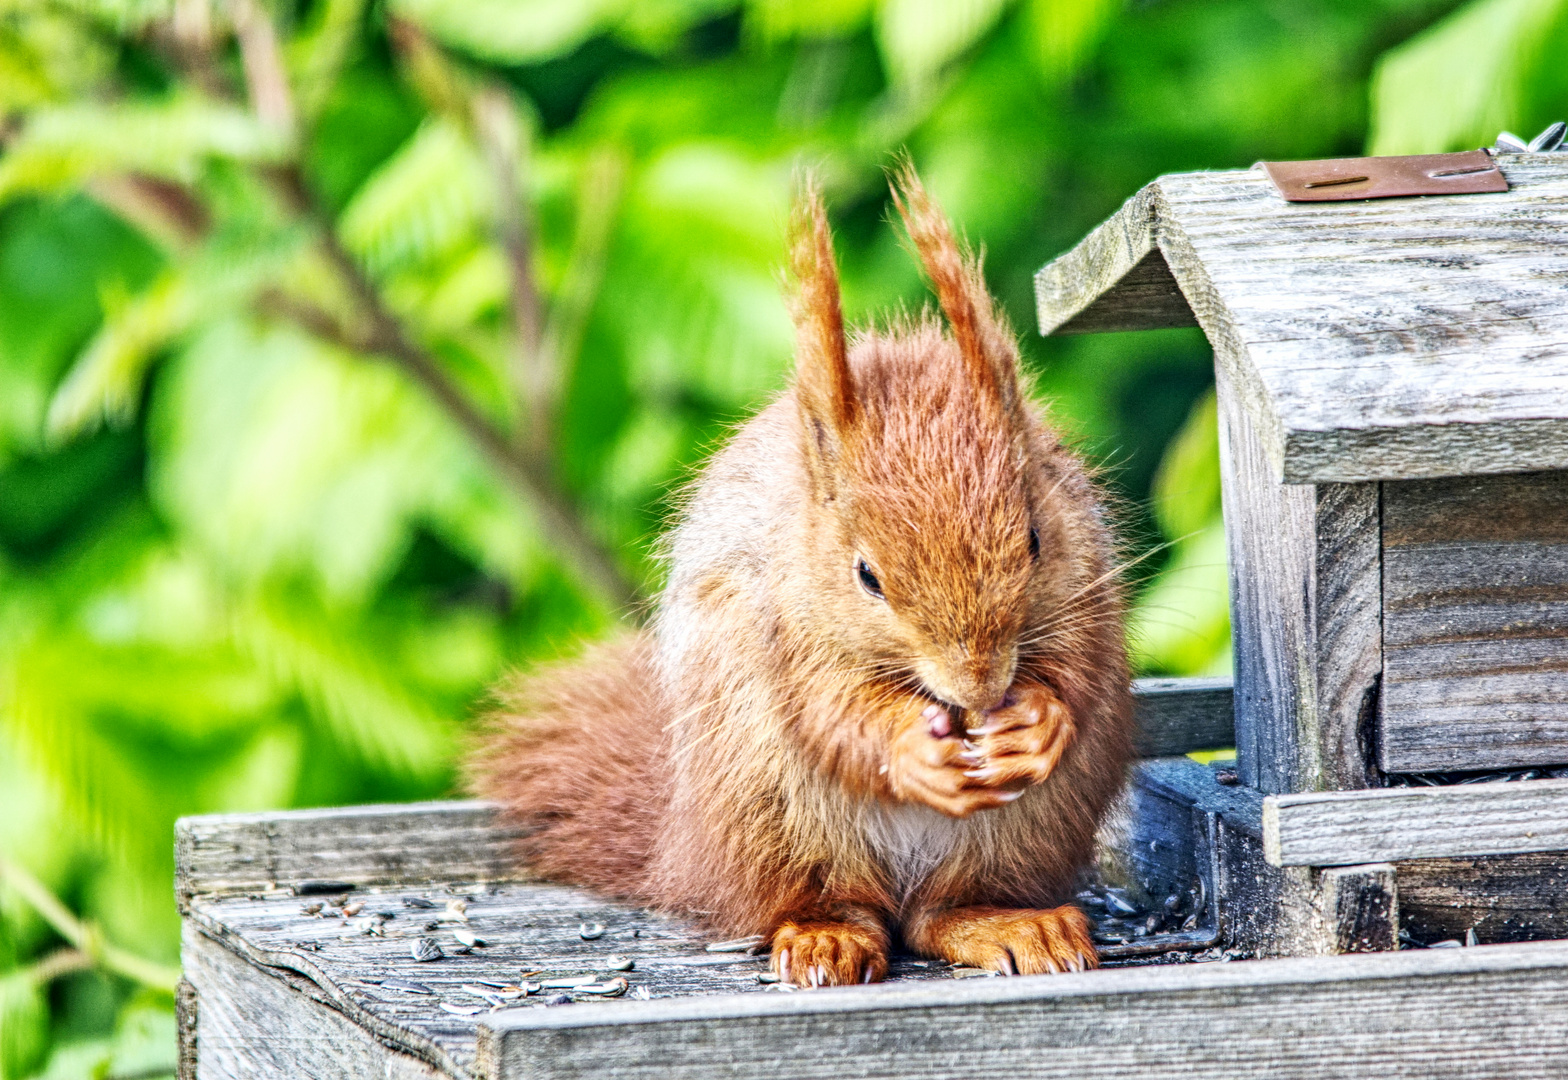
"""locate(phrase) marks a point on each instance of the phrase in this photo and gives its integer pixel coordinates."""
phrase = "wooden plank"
(1380, 340)
(1360, 908)
(1178, 716)
(1394, 824)
(1498, 897)
(1475, 623)
(1472, 1013)
(1115, 279)
(358, 845)
(253, 1024)
(1305, 603)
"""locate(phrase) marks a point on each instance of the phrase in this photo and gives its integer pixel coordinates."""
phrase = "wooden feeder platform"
(279, 982)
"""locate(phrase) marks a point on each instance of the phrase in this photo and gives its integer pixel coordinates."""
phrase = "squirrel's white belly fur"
(911, 841)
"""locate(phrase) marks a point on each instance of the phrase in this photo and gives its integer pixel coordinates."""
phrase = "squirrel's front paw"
(926, 764)
(1014, 941)
(828, 954)
(1021, 742)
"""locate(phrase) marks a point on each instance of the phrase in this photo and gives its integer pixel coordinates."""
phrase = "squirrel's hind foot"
(1014, 941)
(830, 953)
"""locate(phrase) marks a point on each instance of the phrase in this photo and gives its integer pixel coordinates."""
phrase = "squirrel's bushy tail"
(575, 753)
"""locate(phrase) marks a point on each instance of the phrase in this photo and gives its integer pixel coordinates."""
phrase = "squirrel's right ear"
(824, 386)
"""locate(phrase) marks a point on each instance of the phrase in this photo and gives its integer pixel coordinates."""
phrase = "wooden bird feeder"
(1393, 397)
(1393, 394)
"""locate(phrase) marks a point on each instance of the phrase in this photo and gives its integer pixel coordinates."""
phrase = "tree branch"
(530, 475)
(85, 937)
(528, 469)
(534, 382)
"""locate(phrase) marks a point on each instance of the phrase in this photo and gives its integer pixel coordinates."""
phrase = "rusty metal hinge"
(1341, 179)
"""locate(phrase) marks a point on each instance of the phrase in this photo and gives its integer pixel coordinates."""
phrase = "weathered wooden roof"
(1382, 339)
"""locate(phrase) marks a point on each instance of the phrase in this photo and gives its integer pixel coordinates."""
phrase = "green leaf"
(778, 19)
(1180, 624)
(1186, 489)
(920, 37)
(430, 197)
(513, 31)
(106, 382)
(1459, 83)
(62, 147)
(1063, 32)
(24, 1025)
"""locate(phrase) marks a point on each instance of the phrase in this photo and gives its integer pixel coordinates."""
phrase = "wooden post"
(1305, 609)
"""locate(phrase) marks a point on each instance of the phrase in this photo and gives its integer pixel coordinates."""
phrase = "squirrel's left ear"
(980, 329)
(824, 386)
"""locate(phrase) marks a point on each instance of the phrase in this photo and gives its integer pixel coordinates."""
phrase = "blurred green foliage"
(289, 474)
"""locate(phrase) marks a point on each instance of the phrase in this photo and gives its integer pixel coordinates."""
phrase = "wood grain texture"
(1393, 824)
(1391, 339)
(357, 845)
(1178, 716)
(254, 1024)
(1475, 623)
(1360, 908)
(1305, 615)
(1500, 897)
(1472, 1013)
(1115, 279)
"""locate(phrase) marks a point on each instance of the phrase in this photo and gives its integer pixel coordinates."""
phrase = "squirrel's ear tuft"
(827, 393)
(980, 330)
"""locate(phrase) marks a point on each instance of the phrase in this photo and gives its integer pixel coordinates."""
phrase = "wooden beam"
(1394, 824)
(1490, 1011)
(1305, 611)
(1115, 279)
(356, 845)
(1178, 716)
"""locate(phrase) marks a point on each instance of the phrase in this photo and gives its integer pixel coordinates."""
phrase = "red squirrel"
(884, 690)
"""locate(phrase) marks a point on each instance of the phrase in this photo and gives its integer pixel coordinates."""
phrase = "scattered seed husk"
(417, 902)
(641, 993)
(350, 910)
(1470, 938)
(406, 987)
(619, 963)
(462, 1010)
(610, 988)
(972, 973)
(423, 949)
(1451, 943)
(530, 987)
(767, 976)
(494, 984)
(591, 931)
(745, 944)
(311, 909)
(1119, 905)
(569, 982)
(559, 999)
(339, 900)
(458, 906)
(467, 937)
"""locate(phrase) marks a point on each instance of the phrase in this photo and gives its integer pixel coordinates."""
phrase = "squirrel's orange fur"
(785, 751)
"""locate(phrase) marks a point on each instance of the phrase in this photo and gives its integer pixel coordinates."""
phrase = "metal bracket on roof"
(1342, 179)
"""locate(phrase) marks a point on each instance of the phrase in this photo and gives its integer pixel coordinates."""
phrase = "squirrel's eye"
(1034, 545)
(868, 580)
